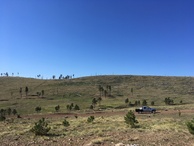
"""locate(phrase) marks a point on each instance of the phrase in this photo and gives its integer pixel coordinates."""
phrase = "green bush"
(14, 111)
(90, 119)
(41, 127)
(190, 126)
(130, 119)
(66, 123)
(76, 107)
(57, 108)
(2, 117)
(38, 109)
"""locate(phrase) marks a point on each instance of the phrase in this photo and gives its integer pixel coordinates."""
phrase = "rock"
(119, 144)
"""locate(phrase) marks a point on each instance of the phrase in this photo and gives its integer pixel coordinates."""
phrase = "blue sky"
(97, 37)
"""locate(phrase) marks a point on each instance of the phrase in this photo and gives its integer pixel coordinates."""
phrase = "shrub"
(144, 103)
(90, 119)
(41, 127)
(190, 126)
(168, 101)
(66, 123)
(9, 111)
(130, 119)
(14, 111)
(91, 107)
(152, 103)
(2, 117)
(126, 100)
(76, 107)
(57, 108)
(38, 109)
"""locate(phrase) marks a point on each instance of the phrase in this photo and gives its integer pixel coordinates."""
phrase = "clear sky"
(97, 37)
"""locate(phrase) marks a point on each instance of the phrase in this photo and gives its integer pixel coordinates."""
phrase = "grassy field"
(163, 128)
(81, 91)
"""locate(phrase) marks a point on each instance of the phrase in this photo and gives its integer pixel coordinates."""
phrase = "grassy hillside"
(81, 91)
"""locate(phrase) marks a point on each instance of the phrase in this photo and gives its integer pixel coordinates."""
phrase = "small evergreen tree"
(38, 109)
(2, 117)
(126, 100)
(66, 123)
(26, 90)
(90, 119)
(9, 111)
(130, 119)
(144, 103)
(190, 126)
(91, 107)
(94, 102)
(152, 103)
(41, 127)
(57, 108)
(76, 107)
(99, 100)
(14, 112)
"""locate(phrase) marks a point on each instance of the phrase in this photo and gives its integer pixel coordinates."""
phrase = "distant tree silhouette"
(26, 90)
(94, 102)
(60, 77)
(76, 107)
(38, 109)
(14, 112)
(144, 103)
(42, 93)
(57, 108)
(110, 88)
(6, 74)
(21, 91)
(126, 100)
(99, 100)
(105, 93)
(132, 91)
(100, 88)
(53, 77)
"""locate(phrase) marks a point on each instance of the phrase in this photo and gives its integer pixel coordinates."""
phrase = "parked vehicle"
(144, 109)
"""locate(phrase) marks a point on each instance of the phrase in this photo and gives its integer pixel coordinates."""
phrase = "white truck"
(145, 109)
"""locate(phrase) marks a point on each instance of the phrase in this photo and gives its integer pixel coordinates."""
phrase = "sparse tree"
(41, 127)
(105, 93)
(21, 92)
(91, 107)
(76, 107)
(132, 91)
(90, 119)
(57, 108)
(42, 93)
(9, 111)
(110, 88)
(94, 102)
(38, 109)
(99, 100)
(144, 103)
(26, 90)
(66, 123)
(126, 100)
(190, 126)
(100, 88)
(130, 119)
(53, 77)
(168, 101)
(14, 112)
(152, 103)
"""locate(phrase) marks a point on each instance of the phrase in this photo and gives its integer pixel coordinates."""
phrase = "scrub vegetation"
(97, 110)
